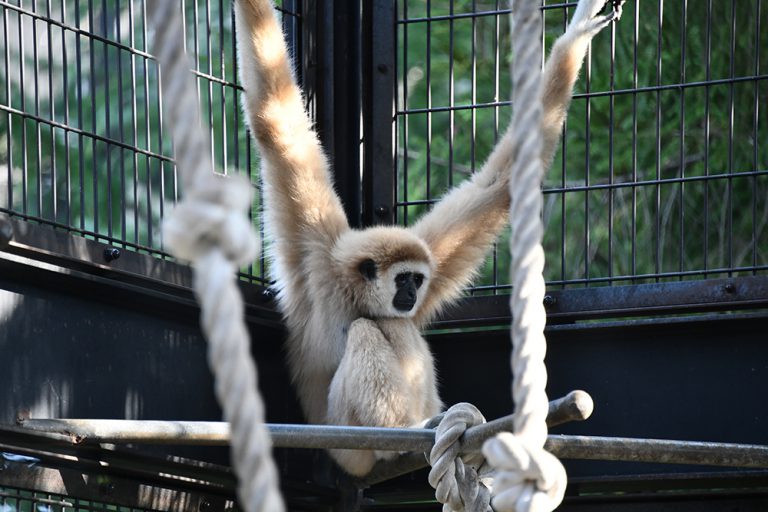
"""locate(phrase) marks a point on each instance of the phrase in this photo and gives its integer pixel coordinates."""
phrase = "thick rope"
(455, 479)
(529, 479)
(211, 229)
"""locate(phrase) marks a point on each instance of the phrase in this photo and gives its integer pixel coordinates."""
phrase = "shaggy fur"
(354, 358)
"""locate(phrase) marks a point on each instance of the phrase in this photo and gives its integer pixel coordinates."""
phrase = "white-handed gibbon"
(354, 301)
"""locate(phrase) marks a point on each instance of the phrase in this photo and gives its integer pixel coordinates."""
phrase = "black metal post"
(332, 44)
(379, 68)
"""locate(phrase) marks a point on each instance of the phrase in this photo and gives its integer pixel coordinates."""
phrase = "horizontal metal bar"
(120, 490)
(78, 31)
(58, 451)
(618, 185)
(477, 14)
(52, 244)
(211, 433)
(592, 94)
(409, 439)
(747, 292)
(575, 406)
(662, 451)
(33, 237)
(126, 290)
(83, 133)
(34, 232)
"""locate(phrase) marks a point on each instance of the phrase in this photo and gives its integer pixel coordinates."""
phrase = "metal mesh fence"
(20, 500)
(663, 170)
(81, 127)
(662, 174)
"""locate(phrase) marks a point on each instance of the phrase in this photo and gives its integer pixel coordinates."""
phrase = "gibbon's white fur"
(354, 301)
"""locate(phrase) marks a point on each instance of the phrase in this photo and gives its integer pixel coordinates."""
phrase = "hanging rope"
(529, 478)
(211, 229)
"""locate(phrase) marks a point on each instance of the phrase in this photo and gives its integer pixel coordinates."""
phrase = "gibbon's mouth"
(403, 305)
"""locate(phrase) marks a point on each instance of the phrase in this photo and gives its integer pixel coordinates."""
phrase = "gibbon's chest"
(411, 349)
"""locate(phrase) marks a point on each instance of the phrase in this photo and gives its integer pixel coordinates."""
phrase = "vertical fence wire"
(81, 123)
(662, 166)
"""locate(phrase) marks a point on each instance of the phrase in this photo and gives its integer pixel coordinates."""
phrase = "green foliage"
(89, 151)
(662, 169)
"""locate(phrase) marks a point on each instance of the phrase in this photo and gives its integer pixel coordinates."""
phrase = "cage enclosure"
(656, 237)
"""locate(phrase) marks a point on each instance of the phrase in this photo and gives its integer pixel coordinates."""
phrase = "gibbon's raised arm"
(299, 196)
(464, 223)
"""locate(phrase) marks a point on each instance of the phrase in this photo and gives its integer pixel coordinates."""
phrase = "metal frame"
(379, 81)
(55, 259)
(437, 113)
(334, 27)
(170, 283)
(349, 64)
(338, 42)
(403, 439)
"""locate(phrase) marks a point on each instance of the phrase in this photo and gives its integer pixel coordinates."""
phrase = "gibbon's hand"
(586, 19)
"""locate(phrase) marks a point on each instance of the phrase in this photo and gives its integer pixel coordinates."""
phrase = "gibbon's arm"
(299, 195)
(461, 227)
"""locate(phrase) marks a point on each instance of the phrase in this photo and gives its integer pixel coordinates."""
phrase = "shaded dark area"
(75, 349)
(698, 379)
(97, 350)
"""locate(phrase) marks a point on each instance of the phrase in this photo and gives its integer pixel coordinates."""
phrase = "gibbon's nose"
(405, 298)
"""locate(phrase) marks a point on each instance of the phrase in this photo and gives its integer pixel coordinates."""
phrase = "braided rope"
(455, 479)
(211, 229)
(529, 479)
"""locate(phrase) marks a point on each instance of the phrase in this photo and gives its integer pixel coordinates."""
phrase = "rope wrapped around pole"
(211, 229)
(528, 477)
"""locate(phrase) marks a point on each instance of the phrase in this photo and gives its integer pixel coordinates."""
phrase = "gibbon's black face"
(407, 283)
(396, 287)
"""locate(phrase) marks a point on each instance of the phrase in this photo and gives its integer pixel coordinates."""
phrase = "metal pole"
(575, 406)
(609, 449)
(206, 433)
(409, 439)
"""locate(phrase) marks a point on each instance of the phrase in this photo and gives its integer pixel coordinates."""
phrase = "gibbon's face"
(383, 271)
(394, 291)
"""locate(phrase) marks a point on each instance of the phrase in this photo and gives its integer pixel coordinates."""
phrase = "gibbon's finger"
(618, 7)
(588, 9)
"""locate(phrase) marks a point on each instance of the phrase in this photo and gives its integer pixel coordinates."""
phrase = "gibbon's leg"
(368, 389)
(300, 202)
(462, 225)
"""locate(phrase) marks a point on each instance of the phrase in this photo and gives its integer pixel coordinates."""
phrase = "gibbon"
(354, 301)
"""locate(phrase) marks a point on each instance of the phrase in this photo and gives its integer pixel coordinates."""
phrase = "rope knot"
(528, 478)
(454, 477)
(214, 216)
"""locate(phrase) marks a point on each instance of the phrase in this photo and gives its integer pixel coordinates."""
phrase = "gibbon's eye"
(418, 279)
(368, 269)
(402, 279)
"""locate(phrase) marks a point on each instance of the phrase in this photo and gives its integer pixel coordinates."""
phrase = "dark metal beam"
(379, 68)
(79, 264)
(54, 259)
(331, 56)
(563, 306)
